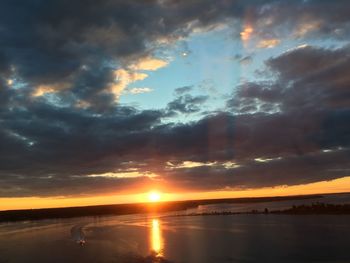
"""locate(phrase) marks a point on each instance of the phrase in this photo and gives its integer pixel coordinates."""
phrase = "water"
(197, 239)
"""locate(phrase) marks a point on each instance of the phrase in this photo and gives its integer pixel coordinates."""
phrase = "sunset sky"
(103, 101)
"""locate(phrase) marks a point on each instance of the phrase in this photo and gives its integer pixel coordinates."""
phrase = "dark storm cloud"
(310, 62)
(186, 104)
(51, 40)
(305, 169)
(84, 145)
(70, 44)
(312, 19)
(67, 43)
(308, 78)
(311, 91)
(72, 146)
(52, 148)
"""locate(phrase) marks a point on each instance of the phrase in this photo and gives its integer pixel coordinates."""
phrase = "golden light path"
(156, 238)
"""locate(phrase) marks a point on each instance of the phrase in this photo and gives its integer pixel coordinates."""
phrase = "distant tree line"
(317, 208)
(123, 209)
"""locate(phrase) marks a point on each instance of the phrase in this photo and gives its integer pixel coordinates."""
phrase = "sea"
(183, 238)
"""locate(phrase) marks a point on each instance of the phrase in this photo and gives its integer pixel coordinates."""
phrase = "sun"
(154, 196)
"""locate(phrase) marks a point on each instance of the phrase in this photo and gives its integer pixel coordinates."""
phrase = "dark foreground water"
(198, 239)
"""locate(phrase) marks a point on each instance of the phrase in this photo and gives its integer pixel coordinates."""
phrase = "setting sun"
(154, 196)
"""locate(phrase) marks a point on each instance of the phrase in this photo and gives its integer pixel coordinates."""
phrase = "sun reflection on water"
(156, 237)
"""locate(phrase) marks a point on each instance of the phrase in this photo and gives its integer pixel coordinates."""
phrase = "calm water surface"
(140, 238)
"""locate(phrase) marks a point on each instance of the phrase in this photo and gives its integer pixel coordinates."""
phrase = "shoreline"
(313, 209)
(161, 207)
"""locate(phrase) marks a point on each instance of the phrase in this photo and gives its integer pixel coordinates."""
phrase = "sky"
(104, 101)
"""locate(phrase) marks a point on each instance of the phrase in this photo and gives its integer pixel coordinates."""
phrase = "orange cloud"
(149, 63)
(51, 88)
(268, 43)
(124, 78)
(131, 74)
(246, 33)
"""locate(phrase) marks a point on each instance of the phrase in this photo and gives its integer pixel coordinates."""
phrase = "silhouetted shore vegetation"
(313, 209)
(317, 208)
(124, 209)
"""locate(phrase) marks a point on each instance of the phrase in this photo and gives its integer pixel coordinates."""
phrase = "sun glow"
(154, 196)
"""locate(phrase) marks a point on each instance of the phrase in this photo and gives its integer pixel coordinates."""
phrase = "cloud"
(308, 78)
(80, 140)
(133, 73)
(182, 90)
(246, 60)
(265, 24)
(186, 104)
(125, 174)
(268, 43)
(307, 27)
(247, 33)
(69, 146)
(50, 46)
(140, 90)
(149, 63)
(43, 89)
(123, 79)
(293, 170)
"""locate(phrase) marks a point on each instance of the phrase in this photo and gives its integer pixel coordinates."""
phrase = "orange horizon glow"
(324, 187)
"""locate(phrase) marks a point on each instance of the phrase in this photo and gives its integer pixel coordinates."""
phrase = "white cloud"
(140, 90)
